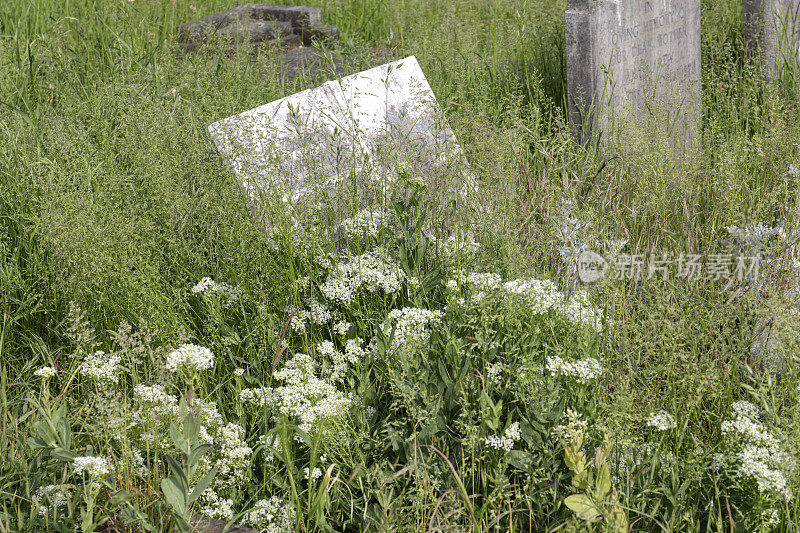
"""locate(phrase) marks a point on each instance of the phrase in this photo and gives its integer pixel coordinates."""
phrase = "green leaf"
(62, 455)
(174, 495)
(197, 453)
(202, 485)
(520, 460)
(177, 473)
(583, 507)
(602, 483)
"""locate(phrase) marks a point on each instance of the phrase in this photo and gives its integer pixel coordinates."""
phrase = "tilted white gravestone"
(625, 56)
(773, 28)
(335, 137)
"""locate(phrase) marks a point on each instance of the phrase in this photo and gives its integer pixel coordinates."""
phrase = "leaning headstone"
(626, 56)
(772, 27)
(346, 137)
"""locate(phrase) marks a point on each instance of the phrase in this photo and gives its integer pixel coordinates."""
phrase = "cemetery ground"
(423, 364)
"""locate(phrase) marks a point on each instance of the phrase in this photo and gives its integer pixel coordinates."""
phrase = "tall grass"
(112, 198)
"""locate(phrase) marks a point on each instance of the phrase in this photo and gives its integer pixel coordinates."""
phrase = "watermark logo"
(591, 266)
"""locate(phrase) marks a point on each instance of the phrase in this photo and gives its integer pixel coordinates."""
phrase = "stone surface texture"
(256, 23)
(342, 133)
(773, 28)
(623, 55)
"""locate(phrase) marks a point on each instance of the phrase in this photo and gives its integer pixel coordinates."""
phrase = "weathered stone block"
(256, 23)
(624, 56)
(772, 28)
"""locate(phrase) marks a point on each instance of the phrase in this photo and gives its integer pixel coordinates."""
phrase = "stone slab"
(625, 55)
(772, 28)
(256, 23)
(325, 137)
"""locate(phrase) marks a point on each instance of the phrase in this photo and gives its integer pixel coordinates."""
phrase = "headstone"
(293, 29)
(256, 23)
(773, 28)
(349, 133)
(625, 56)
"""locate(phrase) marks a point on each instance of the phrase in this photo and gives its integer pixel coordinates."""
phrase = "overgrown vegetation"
(166, 354)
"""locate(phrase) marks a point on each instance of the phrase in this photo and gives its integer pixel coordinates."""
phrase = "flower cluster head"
(56, 496)
(574, 431)
(228, 293)
(272, 516)
(662, 421)
(583, 371)
(94, 466)
(304, 395)
(372, 271)
(505, 442)
(190, 357)
(101, 367)
(494, 373)
(367, 223)
(46, 372)
(411, 327)
(756, 451)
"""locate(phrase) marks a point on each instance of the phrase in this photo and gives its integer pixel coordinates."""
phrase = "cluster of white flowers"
(574, 429)
(234, 456)
(190, 357)
(341, 328)
(543, 295)
(584, 371)
(94, 466)
(320, 313)
(228, 293)
(494, 373)
(271, 444)
(214, 506)
(662, 421)
(101, 367)
(56, 495)
(298, 321)
(272, 516)
(303, 283)
(46, 372)
(756, 451)
(238, 372)
(304, 395)
(372, 270)
(158, 401)
(366, 223)
(505, 442)
(311, 475)
(411, 327)
(756, 233)
(455, 249)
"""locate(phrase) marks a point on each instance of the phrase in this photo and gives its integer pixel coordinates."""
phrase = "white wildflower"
(190, 357)
(341, 328)
(411, 327)
(662, 421)
(56, 496)
(214, 506)
(239, 372)
(494, 373)
(367, 223)
(273, 516)
(228, 293)
(452, 285)
(320, 313)
(507, 440)
(94, 466)
(313, 474)
(46, 372)
(371, 271)
(101, 367)
(584, 371)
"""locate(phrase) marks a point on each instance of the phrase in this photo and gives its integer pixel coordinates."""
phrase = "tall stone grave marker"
(625, 56)
(773, 28)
